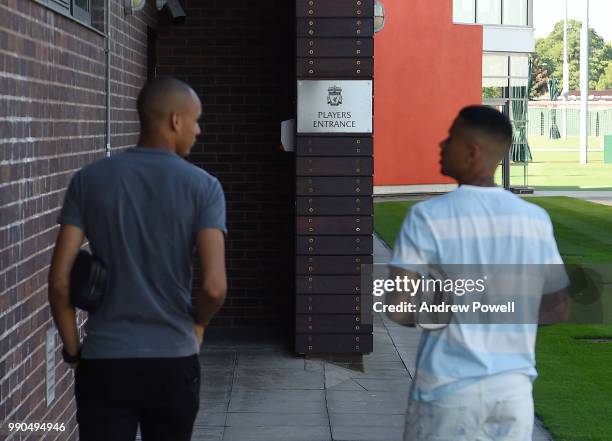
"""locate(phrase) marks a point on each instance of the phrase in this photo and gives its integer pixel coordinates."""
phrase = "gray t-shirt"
(141, 211)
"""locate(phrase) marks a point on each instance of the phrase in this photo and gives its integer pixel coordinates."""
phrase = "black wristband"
(70, 358)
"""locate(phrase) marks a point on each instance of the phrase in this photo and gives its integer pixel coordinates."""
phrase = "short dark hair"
(489, 121)
(154, 96)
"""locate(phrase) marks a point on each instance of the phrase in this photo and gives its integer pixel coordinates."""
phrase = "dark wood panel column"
(334, 186)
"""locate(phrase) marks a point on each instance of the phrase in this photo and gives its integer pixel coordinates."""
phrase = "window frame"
(528, 14)
(500, 3)
(81, 14)
(70, 9)
(507, 102)
(473, 4)
(526, 3)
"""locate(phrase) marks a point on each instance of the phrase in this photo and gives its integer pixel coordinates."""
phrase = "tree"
(549, 56)
(492, 92)
(605, 81)
(539, 78)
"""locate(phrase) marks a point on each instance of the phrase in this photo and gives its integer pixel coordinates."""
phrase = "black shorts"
(114, 396)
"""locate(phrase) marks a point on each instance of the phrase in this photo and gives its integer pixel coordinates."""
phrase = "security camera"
(173, 8)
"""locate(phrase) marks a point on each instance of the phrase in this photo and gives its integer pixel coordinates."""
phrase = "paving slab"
(391, 356)
(281, 433)
(222, 358)
(269, 404)
(303, 395)
(258, 378)
(314, 365)
(270, 419)
(207, 418)
(387, 373)
(266, 360)
(351, 396)
(219, 367)
(337, 375)
(372, 363)
(368, 406)
(346, 385)
(367, 433)
(214, 406)
(385, 384)
(203, 433)
(210, 383)
(212, 396)
(373, 420)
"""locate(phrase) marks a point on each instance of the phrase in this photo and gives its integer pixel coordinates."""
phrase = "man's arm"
(67, 246)
(555, 307)
(211, 295)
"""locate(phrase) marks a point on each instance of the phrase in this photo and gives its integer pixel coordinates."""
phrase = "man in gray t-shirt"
(144, 213)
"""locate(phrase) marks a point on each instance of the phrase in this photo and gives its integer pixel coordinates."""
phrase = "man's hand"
(555, 308)
(72, 359)
(67, 246)
(199, 333)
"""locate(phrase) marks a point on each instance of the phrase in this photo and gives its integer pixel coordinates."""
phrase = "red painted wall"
(427, 69)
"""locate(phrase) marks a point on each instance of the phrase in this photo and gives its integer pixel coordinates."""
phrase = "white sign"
(334, 106)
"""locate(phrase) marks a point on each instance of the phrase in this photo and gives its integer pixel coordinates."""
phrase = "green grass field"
(573, 393)
(562, 171)
(543, 142)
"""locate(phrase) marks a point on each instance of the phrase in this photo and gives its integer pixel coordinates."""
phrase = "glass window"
(494, 65)
(488, 11)
(505, 86)
(83, 4)
(519, 82)
(492, 92)
(464, 11)
(494, 82)
(515, 12)
(81, 10)
(519, 66)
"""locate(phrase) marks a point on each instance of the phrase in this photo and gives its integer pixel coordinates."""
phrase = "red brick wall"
(52, 111)
(238, 56)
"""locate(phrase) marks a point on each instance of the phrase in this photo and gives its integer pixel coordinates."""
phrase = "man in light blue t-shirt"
(144, 212)
(473, 380)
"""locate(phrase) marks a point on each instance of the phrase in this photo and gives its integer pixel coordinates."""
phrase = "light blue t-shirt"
(141, 211)
(485, 226)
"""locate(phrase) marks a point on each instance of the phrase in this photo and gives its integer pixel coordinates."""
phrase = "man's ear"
(474, 151)
(175, 122)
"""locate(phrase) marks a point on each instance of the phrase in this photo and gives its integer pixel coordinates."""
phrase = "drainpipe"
(107, 52)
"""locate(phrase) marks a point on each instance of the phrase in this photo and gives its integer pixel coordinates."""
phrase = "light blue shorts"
(499, 408)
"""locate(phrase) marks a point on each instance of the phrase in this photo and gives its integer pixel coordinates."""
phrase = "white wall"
(508, 39)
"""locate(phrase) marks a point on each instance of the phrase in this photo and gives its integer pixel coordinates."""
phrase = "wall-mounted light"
(379, 16)
(173, 8)
(133, 5)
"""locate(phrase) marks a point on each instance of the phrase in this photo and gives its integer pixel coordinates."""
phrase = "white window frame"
(529, 12)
